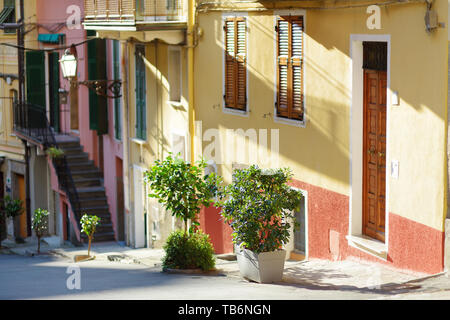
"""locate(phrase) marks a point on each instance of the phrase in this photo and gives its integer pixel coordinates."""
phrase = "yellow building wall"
(10, 146)
(319, 153)
(162, 117)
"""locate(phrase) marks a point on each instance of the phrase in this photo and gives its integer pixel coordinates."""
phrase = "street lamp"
(68, 64)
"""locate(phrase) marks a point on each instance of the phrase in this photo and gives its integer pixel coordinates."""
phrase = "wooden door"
(374, 154)
(23, 217)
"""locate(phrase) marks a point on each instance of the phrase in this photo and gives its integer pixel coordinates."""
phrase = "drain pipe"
(191, 101)
(124, 48)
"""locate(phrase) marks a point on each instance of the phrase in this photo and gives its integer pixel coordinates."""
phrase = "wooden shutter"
(140, 94)
(98, 111)
(283, 59)
(290, 67)
(117, 106)
(296, 110)
(235, 63)
(54, 90)
(35, 81)
(35, 73)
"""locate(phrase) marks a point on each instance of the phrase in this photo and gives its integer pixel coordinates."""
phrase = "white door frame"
(356, 132)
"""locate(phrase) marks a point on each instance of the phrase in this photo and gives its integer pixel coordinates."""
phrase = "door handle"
(381, 154)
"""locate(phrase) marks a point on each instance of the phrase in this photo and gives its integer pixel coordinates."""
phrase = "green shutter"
(54, 90)
(98, 111)
(117, 115)
(141, 131)
(8, 14)
(35, 73)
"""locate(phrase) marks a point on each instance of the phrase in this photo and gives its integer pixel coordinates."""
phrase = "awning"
(50, 38)
(5, 14)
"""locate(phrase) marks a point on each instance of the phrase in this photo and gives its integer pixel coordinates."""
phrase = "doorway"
(22, 219)
(374, 139)
(120, 200)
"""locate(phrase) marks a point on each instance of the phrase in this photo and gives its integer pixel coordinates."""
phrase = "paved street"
(45, 277)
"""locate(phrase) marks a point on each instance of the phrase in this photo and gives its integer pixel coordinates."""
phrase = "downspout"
(191, 101)
(21, 65)
(126, 135)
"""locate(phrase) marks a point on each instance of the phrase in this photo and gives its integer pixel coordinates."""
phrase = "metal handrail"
(31, 121)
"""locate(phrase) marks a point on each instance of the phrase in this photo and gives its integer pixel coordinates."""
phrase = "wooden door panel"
(374, 156)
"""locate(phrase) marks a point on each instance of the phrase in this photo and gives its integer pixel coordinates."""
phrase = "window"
(117, 105)
(8, 14)
(175, 74)
(235, 63)
(290, 100)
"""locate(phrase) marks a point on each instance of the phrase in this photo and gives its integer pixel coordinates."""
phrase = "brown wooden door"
(374, 154)
(23, 217)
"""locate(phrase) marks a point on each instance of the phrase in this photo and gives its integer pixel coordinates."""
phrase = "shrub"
(188, 251)
(259, 208)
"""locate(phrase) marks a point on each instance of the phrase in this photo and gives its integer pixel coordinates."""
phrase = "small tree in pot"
(259, 208)
(183, 189)
(10, 208)
(39, 225)
(88, 225)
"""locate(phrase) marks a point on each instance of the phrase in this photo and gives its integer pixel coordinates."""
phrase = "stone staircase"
(89, 184)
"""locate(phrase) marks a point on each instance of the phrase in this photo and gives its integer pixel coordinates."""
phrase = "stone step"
(72, 150)
(101, 236)
(85, 174)
(77, 158)
(68, 144)
(91, 192)
(87, 182)
(82, 166)
(92, 202)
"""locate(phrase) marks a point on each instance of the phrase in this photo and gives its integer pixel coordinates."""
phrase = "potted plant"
(39, 225)
(55, 153)
(183, 189)
(89, 224)
(259, 207)
(10, 208)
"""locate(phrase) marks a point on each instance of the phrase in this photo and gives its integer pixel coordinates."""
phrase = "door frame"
(356, 86)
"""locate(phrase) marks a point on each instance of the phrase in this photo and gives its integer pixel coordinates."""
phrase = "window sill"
(291, 122)
(138, 141)
(175, 104)
(235, 112)
(368, 245)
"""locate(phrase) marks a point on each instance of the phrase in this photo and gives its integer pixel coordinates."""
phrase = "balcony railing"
(132, 11)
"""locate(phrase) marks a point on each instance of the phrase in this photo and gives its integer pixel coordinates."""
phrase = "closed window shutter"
(290, 67)
(296, 111)
(35, 78)
(283, 58)
(235, 63)
(141, 132)
(230, 46)
(241, 58)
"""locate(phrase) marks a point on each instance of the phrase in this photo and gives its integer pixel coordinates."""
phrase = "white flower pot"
(265, 267)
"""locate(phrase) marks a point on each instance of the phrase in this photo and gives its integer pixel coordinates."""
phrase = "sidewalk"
(314, 274)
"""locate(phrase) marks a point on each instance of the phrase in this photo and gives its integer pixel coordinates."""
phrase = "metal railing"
(31, 122)
(133, 10)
